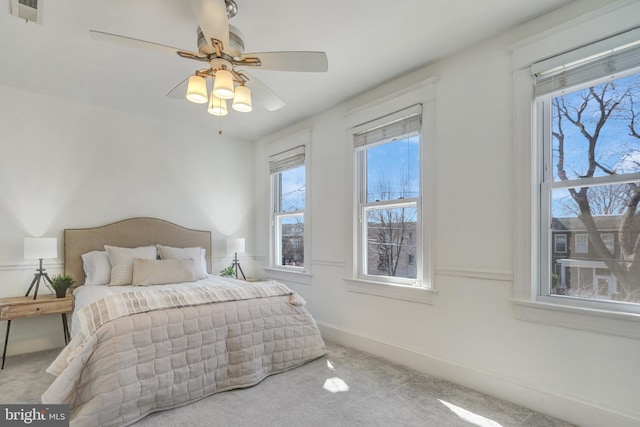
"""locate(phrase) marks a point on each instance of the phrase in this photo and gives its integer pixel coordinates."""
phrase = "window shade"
(287, 160)
(387, 128)
(617, 54)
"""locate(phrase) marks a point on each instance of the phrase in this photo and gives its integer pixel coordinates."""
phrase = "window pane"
(595, 133)
(560, 243)
(292, 189)
(393, 170)
(391, 241)
(291, 240)
(591, 130)
(602, 265)
(582, 244)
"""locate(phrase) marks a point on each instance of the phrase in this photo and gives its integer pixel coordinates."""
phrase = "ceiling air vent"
(31, 10)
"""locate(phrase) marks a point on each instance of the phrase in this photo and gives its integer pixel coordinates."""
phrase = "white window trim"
(578, 247)
(527, 306)
(555, 243)
(293, 274)
(420, 93)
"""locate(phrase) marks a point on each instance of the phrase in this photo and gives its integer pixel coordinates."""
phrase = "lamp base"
(41, 275)
(236, 266)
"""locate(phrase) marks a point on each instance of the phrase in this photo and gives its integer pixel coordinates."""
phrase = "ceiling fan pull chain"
(220, 122)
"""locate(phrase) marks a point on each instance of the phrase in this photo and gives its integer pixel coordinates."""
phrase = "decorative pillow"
(160, 272)
(122, 262)
(97, 268)
(197, 254)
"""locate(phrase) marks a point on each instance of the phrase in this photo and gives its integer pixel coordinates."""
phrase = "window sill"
(299, 277)
(405, 293)
(600, 321)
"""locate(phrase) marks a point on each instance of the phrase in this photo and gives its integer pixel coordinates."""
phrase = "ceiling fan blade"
(180, 91)
(212, 19)
(129, 41)
(290, 61)
(262, 94)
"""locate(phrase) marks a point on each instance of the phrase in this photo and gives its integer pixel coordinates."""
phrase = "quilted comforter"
(159, 358)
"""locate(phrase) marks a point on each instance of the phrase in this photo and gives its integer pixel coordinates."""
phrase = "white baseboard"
(568, 408)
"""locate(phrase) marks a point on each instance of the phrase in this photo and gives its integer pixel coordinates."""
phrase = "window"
(561, 243)
(588, 119)
(387, 153)
(397, 122)
(582, 244)
(288, 190)
(608, 240)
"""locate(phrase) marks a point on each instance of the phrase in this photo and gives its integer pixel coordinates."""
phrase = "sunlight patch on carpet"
(471, 417)
(335, 385)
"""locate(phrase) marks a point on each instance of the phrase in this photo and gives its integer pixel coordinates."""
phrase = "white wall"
(67, 165)
(470, 334)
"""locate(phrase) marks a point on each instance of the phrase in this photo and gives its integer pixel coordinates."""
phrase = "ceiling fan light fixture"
(242, 99)
(223, 84)
(217, 106)
(197, 90)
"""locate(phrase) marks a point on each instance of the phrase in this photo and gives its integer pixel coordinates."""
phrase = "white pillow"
(122, 262)
(160, 272)
(97, 268)
(197, 254)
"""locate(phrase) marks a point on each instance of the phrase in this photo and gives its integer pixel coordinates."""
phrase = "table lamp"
(236, 246)
(40, 248)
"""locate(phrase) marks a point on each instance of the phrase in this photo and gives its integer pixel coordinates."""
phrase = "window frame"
(526, 302)
(579, 248)
(421, 291)
(556, 242)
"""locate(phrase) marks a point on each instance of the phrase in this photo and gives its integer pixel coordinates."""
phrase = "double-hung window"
(388, 191)
(588, 132)
(288, 190)
(582, 244)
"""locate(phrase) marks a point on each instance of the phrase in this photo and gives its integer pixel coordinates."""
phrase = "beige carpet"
(345, 388)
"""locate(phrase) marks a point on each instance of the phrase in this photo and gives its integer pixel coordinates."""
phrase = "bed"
(140, 349)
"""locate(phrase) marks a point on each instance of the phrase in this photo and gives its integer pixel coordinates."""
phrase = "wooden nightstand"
(22, 307)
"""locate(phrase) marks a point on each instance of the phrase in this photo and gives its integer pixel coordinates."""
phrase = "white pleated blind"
(287, 160)
(393, 126)
(608, 57)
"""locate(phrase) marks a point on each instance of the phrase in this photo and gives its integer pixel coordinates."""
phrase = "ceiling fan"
(221, 46)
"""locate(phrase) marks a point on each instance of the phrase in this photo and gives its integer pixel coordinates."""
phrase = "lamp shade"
(40, 247)
(223, 84)
(235, 245)
(197, 90)
(217, 106)
(242, 99)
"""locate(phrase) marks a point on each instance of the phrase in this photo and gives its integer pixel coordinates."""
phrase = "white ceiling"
(367, 42)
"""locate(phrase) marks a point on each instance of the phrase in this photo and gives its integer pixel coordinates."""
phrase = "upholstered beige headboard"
(129, 233)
